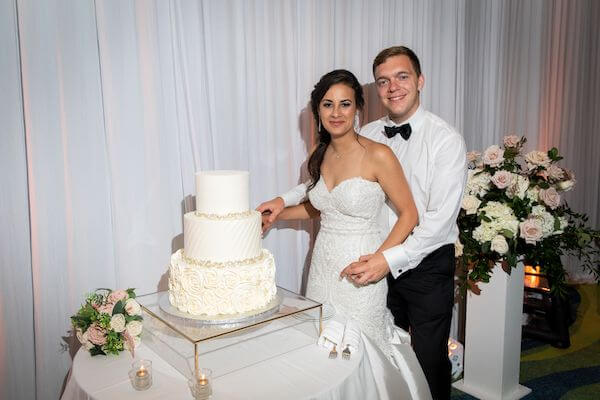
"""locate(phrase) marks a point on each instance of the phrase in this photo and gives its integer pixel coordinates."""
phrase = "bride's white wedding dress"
(349, 229)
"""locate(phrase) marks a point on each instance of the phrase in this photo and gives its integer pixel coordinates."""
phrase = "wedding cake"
(222, 268)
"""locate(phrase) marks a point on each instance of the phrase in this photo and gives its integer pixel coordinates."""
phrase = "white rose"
(134, 328)
(566, 185)
(531, 230)
(511, 141)
(518, 187)
(502, 179)
(117, 323)
(493, 156)
(550, 197)
(499, 244)
(537, 158)
(133, 307)
(458, 248)
(470, 204)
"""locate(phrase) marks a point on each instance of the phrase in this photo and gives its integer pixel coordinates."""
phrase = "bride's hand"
(270, 210)
(369, 268)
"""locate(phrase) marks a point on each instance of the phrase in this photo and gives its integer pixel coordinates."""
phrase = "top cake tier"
(222, 192)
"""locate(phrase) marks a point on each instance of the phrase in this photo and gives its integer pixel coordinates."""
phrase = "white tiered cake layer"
(222, 239)
(222, 192)
(221, 289)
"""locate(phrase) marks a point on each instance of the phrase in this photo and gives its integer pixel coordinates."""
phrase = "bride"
(350, 177)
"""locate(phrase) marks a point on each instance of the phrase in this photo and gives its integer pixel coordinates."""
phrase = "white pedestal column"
(493, 338)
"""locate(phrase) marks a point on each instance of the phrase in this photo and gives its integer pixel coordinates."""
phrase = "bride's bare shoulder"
(377, 151)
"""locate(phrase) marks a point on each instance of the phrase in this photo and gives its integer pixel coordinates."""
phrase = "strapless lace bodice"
(349, 229)
(350, 207)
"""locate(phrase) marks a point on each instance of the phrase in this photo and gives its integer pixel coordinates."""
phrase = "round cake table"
(304, 373)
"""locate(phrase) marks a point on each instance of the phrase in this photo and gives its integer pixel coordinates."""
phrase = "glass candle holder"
(201, 385)
(140, 374)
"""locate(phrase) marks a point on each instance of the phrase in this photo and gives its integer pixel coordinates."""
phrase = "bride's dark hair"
(328, 80)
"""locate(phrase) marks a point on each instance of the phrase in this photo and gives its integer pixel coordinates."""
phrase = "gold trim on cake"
(236, 215)
(213, 264)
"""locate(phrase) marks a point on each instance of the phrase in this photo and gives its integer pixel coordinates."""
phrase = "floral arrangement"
(109, 322)
(511, 211)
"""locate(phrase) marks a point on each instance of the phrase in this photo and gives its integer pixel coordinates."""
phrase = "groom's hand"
(370, 268)
(270, 210)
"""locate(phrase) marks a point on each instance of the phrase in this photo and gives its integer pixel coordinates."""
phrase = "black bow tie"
(404, 131)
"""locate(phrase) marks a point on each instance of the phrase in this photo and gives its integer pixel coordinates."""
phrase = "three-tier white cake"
(222, 268)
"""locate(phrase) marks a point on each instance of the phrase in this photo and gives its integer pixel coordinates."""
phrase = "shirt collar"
(414, 120)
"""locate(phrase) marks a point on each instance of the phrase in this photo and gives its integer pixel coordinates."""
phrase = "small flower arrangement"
(511, 211)
(109, 322)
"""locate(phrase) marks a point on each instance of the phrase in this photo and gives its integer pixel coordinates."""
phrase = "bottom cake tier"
(204, 288)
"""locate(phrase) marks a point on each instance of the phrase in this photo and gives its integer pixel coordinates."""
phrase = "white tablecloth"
(305, 372)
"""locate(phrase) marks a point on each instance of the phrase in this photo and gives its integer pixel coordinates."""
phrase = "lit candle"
(200, 384)
(202, 380)
(141, 375)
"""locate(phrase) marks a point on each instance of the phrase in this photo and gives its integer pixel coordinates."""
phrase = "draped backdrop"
(109, 107)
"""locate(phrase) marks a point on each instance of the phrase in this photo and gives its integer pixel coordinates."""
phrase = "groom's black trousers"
(421, 301)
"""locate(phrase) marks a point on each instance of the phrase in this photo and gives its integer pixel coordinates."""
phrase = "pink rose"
(550, 197)
(96, 334)
(473, 156)
(555, 172)
(531, 230)
(493, 156)
(117, 295)
(106, 308)
(502, 179)
(511, 141)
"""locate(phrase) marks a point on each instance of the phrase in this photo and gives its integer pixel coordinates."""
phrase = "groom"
(420, 271)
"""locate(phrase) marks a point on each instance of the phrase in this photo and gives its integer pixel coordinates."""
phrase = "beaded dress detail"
(349, 229)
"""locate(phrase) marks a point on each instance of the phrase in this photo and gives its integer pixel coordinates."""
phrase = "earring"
(356, 123)
(319, 125)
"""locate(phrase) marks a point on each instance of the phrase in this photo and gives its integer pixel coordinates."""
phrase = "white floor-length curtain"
(569, 116)
(109, 107)
(17, 356)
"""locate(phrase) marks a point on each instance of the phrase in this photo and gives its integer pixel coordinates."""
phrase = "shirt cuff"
(397, 260)
(288, 198)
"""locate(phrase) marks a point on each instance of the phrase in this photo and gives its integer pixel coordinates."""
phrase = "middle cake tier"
(214, 238)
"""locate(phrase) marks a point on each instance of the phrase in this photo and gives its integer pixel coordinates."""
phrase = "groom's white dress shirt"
(435, 165)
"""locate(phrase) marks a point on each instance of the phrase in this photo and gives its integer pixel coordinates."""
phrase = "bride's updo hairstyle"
(328, 80)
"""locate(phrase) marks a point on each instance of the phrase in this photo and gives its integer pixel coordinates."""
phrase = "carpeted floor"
(566, 374)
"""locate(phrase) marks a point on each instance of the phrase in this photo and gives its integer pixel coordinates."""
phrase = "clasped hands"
(368, 269)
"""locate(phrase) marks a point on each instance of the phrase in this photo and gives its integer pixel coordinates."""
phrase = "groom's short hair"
(398, 51)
